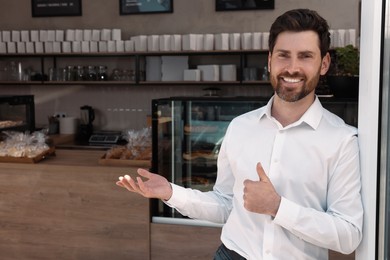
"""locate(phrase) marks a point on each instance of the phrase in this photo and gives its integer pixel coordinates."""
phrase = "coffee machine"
(87, 115)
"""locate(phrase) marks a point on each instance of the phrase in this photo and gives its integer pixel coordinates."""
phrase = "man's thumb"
(260, 171)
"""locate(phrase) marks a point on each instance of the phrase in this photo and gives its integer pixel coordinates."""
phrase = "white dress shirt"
(313, 165)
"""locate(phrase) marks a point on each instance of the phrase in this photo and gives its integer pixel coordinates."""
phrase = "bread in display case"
(17, 113)
(187, 136)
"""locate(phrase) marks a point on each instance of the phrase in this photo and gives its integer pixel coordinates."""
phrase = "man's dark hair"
(299, 20)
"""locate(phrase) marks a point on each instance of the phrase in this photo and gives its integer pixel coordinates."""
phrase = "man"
(288, 183)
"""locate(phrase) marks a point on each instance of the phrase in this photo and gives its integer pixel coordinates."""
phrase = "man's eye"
(282, 55)
(306, 56)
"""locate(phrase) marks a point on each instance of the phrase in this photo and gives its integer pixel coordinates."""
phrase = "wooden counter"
(68, 207)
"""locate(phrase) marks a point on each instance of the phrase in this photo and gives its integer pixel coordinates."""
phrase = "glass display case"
(188, 132)
(17, 113)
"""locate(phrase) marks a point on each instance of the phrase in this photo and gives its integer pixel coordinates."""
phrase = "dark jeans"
(223, 253)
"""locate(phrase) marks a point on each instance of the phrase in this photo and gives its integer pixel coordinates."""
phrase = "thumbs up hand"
(260, 196)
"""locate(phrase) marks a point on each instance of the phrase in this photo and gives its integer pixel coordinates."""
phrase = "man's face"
(296, 65)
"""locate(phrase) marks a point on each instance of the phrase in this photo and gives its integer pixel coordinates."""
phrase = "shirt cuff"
(178, 198)
(287, 214)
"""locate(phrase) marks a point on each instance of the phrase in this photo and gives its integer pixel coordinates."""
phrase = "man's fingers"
(144, 173)
(260, 171)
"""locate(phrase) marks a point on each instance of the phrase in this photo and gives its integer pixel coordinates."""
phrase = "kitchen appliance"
(17, 113)
(87, 115)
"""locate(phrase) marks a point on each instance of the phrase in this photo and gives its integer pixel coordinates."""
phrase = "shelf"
(67, 83)
(144, 53)
(258, 82)
(138, 60)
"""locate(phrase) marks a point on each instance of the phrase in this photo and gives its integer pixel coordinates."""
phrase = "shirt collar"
(312, 116)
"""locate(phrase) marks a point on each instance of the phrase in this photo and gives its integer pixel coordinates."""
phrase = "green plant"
(346, 61)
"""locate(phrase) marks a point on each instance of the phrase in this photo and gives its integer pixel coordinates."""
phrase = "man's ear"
(325, 64)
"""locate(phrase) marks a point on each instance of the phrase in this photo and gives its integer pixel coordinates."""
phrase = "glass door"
(384, 177)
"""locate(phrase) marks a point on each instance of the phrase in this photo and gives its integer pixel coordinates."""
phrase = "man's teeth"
(292, 80)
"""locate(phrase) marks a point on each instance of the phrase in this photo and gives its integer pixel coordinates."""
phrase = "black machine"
(87, 115)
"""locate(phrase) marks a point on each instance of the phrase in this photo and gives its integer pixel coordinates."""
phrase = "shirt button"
(267, 252)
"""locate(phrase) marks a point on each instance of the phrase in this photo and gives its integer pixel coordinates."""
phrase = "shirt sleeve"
(210, 206)
(339, 227)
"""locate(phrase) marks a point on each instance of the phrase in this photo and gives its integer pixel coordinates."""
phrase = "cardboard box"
(173, 67)
(209, 72)
(192, 75)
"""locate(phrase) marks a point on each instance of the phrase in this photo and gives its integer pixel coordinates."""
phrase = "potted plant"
(343, 76)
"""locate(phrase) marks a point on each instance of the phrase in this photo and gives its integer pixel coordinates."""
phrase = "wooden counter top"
(68, 207)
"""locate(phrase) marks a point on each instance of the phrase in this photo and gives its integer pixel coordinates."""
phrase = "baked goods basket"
(137, 152)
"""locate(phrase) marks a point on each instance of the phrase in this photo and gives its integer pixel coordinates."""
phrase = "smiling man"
(288, 182)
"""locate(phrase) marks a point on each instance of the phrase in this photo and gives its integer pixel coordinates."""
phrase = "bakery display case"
(17, 113)
(187, 133)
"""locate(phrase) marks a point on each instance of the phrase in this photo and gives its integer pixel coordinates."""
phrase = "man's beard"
(293, 96)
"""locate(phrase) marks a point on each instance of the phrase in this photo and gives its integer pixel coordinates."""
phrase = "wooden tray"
(123, 162)
(39, 157)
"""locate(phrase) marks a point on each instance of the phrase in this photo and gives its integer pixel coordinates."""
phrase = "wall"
(120, 107)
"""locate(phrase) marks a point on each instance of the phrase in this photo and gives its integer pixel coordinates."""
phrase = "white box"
(78, 35)
(21, 47)
(93, 46)
(102, 46)
(165, 42)
(172, 67)
(34, 36)
(3, 47)
(76, 46)
(59, 36)
(199, 42)
(153, 43)
(15, 36)
(111, 46)
(43, 35)
(208, 42)
(66, 47)
(120, 46)
(48, 47)
(57, 47)
(153, 68)
(189, 42)
(95, 35)
(38, 47)
(85, 47)
(222, 41)
(105, 34)
(140, 42)
(129, 45)
(30, 47)
(11, 47)
(209, 72)
(257, 41)
(350, 38)
(69, 35)
(116, 35)
(246, 41)
(6, 36)
(51, 35)
(228, 72)
(24, 36)
(264, 41)
(192, 75)
(234, 41)
(176, 42)
(87, 35)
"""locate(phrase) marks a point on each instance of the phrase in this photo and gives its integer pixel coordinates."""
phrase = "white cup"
(68, 125)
